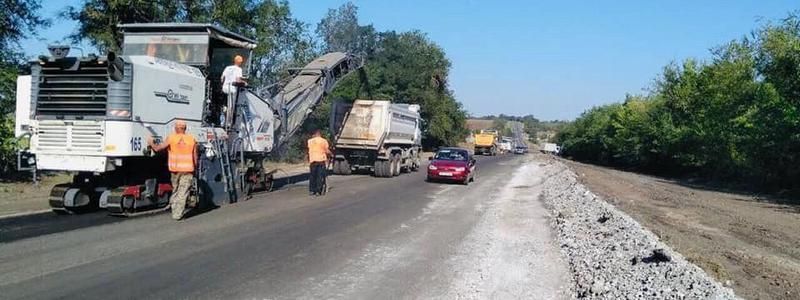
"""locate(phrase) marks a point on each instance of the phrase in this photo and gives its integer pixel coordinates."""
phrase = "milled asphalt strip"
(511, 253)
(408, 260)
(25, 213)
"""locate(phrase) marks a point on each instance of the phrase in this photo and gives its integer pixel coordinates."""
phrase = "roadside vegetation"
(537, 130)
(735, 117)
(19, 20)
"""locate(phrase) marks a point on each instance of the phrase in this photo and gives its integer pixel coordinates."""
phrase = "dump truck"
(376, 136)
(486, 142)
(92, 116)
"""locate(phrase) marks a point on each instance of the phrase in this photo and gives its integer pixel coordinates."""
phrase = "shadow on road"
(288, 180)
(16, 228)
(22, 227)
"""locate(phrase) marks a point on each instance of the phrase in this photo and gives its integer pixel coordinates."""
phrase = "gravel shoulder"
(610, 254)
(747, 242)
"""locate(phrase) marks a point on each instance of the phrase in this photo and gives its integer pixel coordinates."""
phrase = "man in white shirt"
(231, 78)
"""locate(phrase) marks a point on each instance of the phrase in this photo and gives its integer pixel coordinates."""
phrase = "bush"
(736, 117)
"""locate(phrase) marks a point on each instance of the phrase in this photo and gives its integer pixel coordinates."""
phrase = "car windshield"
(451, 155)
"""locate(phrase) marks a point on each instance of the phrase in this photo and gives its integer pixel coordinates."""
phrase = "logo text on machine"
(173, 96)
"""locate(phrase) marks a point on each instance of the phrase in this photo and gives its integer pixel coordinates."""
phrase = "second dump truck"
(486, 142)
(377, 136)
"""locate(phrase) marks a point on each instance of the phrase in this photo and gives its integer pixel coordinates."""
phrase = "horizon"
(547, 73)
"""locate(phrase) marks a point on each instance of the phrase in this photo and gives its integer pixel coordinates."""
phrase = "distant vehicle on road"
(551, 148)
(452, 164)
(506, 145)
(486, 142)
(520, 150)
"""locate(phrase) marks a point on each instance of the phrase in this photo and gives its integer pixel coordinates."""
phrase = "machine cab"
(207, 47)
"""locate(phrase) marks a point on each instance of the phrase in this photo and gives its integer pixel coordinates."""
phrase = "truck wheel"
(336, 166)
(396, 165)
(376, 169)
(344, 168)
(381, 167)
(387, 168)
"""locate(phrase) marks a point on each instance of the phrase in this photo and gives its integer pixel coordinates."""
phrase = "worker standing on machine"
(231, 78)
(182, 157)
(318, 153)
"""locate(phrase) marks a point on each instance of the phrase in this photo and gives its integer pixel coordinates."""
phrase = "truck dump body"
(372, 123)
(378, 136)
(484, 140)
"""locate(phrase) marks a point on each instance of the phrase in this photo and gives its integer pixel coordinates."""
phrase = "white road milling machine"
(92, 116)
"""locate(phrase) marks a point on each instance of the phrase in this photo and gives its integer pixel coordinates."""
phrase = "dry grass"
(21, 197)
(476, 124)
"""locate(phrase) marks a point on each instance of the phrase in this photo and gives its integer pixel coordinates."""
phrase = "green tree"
(404, 67)
(98, 19)
(340, 31)
(734, 117)
(20, 19)
(282, 40)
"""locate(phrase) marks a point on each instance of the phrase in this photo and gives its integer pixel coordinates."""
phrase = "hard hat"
(180, 123)
(238, 59)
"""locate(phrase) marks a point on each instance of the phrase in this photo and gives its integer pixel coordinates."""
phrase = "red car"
(452, 164)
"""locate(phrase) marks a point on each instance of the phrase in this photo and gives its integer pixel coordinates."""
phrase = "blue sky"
(552, 59)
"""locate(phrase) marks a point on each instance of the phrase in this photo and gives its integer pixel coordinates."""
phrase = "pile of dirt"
(612, 256)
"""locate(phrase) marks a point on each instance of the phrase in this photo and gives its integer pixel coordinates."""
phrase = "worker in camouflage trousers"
(182, 159)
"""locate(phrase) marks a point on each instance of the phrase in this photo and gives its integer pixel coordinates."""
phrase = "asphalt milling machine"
(92, 116)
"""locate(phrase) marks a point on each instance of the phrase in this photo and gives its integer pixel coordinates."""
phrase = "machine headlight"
(432, 167)
(459, 169)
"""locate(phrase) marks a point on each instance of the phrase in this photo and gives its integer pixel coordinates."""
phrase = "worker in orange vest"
(318, 153)
(182, 157)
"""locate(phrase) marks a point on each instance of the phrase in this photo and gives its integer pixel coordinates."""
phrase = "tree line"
(533, 126)
(405, 67)
(735, 117)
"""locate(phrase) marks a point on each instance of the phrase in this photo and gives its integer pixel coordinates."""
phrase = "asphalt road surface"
(369, 238)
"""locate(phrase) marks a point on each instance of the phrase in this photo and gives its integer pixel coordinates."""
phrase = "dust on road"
(491, 242)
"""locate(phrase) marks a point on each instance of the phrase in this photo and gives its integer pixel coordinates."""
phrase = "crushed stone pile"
(611, 255)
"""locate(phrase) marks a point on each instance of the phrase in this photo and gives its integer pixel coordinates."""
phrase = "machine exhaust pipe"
(116, 66)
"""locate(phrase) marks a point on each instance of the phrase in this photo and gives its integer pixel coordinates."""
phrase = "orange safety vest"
(317, 148)
(181, 153)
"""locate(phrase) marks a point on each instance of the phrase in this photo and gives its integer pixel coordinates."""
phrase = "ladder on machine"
(220, 146)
